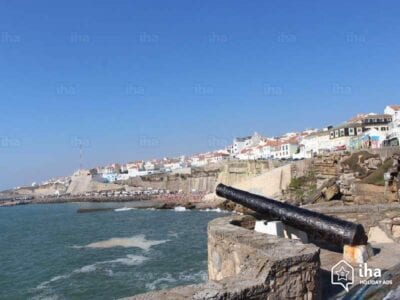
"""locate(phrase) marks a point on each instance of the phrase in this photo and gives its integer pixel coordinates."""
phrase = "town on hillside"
(138, 178)
(364, 131)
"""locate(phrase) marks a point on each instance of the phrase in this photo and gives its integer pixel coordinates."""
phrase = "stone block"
(270, 227)
(377, 235)
(295, 234)
(396, 231)
(357, 254)
(331, 192)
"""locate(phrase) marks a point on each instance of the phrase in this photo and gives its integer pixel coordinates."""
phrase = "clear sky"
(142, 79)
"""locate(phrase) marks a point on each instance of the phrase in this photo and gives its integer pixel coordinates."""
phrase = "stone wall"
(203, 179)
(198, 181)
(244, 264)
(380, 221)
(236, 171)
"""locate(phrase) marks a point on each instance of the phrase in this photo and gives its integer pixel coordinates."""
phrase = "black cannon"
(325, 227)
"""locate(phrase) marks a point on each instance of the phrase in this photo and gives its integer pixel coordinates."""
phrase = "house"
(393, 134)
(315, 143)
(124, 168)
(245, 142)
(110, 169)
(218, 156)
(172, 165)
(349, 135)
(133, 170)
(370, 139)
(264, 150)
(340, 136)
(393, 111)
(110, 177)
(123, 176)
(379, 122)
(247, 154)
(198, 160)
(285, 149)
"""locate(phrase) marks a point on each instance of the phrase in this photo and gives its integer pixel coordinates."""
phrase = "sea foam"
(137, 241)
(128, 260)
(124, 209)
(180, 208)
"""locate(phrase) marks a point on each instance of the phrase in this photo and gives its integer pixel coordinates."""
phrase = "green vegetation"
(376, 177)
(304, 185)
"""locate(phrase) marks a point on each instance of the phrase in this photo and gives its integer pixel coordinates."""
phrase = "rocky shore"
(157, 202)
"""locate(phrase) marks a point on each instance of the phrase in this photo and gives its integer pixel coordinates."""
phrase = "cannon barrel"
(334, 230)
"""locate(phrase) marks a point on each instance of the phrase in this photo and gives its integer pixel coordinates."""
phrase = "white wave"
(86, 269)
(180, 208)
(137, 241)
(173, 234)
(56, 278)
(46, 297)
(184, 277)
(77, 247)
(218, 210)
(129, 260)
(124, 209)
(162, 282)
(191, 277)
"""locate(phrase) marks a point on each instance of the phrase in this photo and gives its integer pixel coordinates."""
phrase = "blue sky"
(142, 79)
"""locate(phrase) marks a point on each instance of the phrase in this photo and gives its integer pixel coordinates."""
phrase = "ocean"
(50, 251)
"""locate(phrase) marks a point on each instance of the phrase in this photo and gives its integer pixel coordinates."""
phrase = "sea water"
(50, 251)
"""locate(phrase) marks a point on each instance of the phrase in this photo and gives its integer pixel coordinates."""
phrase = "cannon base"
(357, 254)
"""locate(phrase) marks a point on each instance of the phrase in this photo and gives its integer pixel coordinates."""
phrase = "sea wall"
(244, 264)
(203, 179)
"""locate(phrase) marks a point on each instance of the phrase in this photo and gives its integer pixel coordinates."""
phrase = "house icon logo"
(342, 274)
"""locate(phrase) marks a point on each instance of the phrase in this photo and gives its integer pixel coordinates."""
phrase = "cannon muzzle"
(334, 230)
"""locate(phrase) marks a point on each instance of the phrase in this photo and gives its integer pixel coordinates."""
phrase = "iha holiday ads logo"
(343, 274)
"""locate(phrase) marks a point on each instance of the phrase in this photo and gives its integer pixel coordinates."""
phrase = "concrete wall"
(236, 171)
(244, 264)
(203, 179)
(270, 183)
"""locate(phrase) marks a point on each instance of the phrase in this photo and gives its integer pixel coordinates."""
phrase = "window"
(342, 132)
(383, 128)
(332, 134)
(359, 130)
(351, 131)
(336, 133)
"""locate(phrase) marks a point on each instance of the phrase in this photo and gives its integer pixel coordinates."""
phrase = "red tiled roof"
(395, 107)
(246, 150)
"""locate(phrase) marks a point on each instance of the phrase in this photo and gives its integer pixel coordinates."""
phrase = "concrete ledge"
(244, 264)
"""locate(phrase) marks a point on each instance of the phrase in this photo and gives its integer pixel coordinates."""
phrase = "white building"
(198, 160)
(370, 139)
(218, 156)
(110, 177)
(285, 150)
(393, 134)
(245, 142)
(247, 154)
(315, 143)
